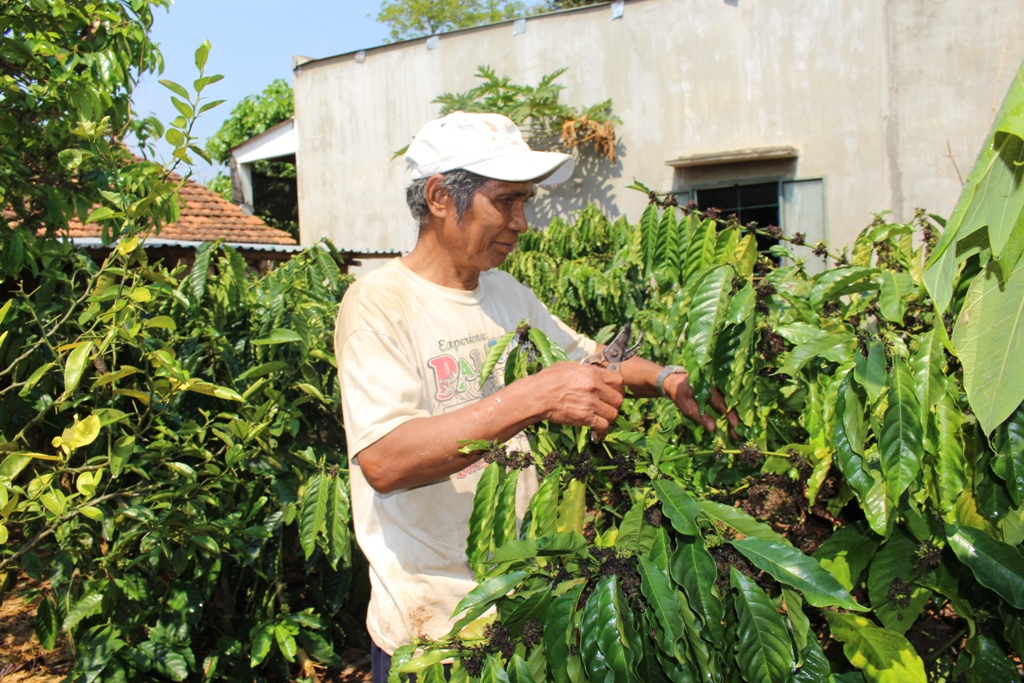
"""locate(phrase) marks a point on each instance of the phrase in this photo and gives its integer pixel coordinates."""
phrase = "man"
(410, 340)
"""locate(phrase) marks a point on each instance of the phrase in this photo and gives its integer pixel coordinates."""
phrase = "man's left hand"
(677, 387)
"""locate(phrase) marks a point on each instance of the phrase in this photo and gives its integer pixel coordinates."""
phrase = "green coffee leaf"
(900, 442)
(694, 570)
(788, 565)
(995, 564)
(883, 655)
(480, 599)
(278, 336)
(895, 560)
(847, 552)
(680, 508)
(313, 516)
(763, 652)
(991, 347)
(89, 605)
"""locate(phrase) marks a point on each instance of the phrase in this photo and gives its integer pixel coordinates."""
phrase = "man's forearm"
(426, 450)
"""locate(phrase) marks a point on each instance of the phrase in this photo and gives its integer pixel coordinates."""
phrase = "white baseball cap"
(486, 144)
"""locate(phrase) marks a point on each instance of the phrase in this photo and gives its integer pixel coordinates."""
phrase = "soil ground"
(23, 659)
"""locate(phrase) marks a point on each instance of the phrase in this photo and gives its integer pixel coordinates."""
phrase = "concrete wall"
(884, 99)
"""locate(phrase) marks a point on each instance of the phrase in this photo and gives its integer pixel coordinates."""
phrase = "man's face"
(490, 228)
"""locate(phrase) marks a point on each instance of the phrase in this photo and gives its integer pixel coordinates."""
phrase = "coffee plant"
(173, 480)
(865, 521)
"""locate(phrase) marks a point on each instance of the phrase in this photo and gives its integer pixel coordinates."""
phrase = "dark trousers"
(380, 665)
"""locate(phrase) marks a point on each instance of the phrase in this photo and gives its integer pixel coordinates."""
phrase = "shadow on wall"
(593, 182)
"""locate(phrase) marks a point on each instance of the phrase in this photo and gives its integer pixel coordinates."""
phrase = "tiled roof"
(205, 216)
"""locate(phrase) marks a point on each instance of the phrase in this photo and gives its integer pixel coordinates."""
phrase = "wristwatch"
(663, 375)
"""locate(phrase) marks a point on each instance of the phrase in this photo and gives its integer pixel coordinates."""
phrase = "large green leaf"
(518, 670)
(572, 507)
(558, 631)
(847, 552)
(480, 599)
(1008, 443)
(681, 509)
(929, 376)
(700, 252)
(870, 371)
(848, 436)
(816, 667)
(995, 564)
(992, 199)
(603, 625)
(664, 602)
(705, 317)
(883, 655)
(764, 653)
(950, 464)
(649, 236)
(989, 663)
(831, 283)
(989, 340)
(313, 516)
(740, 521)
(836, 347)
(895, 288)
(694, 570)
(481, 520)
(901, 442)
(895, 560)
(788, 565)
(505, 512)
(337, 522)
(494, 355)
(47, 623)
(542, 511)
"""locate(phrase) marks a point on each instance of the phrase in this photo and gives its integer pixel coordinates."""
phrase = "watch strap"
(663, 375)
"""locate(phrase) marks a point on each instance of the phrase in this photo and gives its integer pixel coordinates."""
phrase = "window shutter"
(803, 210)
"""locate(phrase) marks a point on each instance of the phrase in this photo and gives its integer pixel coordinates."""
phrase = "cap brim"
(545, 168)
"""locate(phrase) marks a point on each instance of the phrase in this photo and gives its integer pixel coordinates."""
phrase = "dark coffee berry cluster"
(821, 250)
(771, 343)
(899, 594)
(765, 289)
(622, 566)
(831, 309)
(533, 632)
(928, 555)
(798, 239)
(773, 231)
(551, 461)
(513, 460)
(654, 515)
(751, 455)
(500, 640)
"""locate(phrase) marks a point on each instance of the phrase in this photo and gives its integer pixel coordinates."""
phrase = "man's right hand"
(580, 395)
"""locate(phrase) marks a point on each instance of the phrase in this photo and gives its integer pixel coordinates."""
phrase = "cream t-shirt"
(408, 348)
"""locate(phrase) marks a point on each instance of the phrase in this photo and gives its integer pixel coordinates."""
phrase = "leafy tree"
(552, 5)
(275, 193)
(547, 122)
(416, 18)
(68, 71)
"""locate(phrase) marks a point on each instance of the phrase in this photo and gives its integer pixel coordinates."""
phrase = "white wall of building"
(883, 99)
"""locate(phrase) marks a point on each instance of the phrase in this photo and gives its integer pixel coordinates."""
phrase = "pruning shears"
(615, 353)
(618, 350)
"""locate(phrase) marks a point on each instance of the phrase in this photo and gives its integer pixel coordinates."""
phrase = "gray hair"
(461, 186)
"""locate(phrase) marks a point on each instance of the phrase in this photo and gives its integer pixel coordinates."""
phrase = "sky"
(253, 42)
